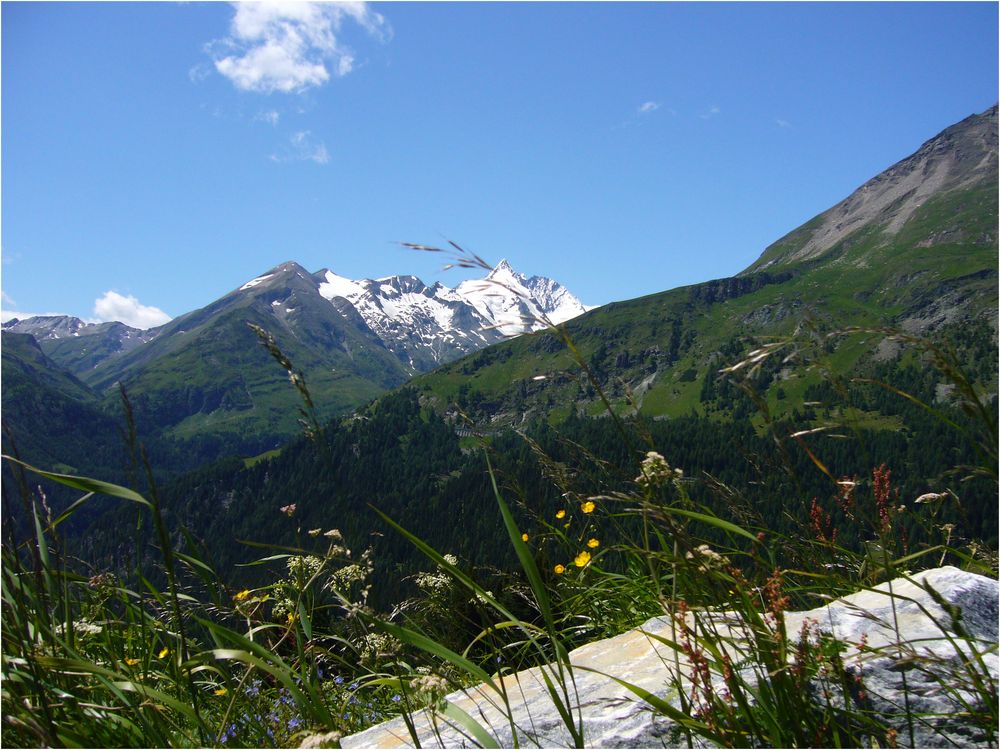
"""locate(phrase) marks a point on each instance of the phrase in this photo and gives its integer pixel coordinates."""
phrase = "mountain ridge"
(957, 157)
(925, 263)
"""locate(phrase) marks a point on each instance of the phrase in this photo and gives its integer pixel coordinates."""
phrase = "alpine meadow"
(340, 506)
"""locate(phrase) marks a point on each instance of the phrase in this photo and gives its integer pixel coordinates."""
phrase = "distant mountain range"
(204, 374)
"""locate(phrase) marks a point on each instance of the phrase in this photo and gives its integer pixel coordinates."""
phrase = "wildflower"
(582, 559)
(560, 569)
(588, 506)
(294, 722)
(929, 497)
(288, 510)
(315, 532)
(524, 537)
(592, 543)
(397, 698)
(656, 471)
(163, 653)
(220, 691)
(560, 514)
(338, 680)
(881, 486)
(292, 617)
(334, 534)
(430, 689)
(239, 597)
(131, 662)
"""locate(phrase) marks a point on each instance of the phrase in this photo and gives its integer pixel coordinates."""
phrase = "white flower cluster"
(376, 646)
(341, 580)
(305, 566)
(656, 471)
(439, 582)
(430, 690)
(706, 557)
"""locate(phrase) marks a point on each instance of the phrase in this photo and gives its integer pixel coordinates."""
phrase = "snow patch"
(337, 286)
(254, 282)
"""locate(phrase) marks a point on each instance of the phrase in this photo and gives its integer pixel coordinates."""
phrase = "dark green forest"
(406, 461)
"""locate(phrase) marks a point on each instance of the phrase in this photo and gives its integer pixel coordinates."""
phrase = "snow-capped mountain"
(353, 338)
(428, 325)
(77, 345)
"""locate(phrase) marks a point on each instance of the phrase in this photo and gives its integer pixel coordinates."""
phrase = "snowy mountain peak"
(428, 325)
(503, 268)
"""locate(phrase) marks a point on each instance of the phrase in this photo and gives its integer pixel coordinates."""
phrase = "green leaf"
(442, 652)
(712, 521)
(456, 714)
(86, 484)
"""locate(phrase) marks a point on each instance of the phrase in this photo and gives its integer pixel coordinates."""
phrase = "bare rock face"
(944, 619)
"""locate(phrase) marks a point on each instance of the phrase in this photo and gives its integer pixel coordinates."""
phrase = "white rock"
(612, 716)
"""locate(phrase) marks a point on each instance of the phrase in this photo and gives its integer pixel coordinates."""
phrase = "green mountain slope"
(914, 248)
(207, 378)
(53, 418)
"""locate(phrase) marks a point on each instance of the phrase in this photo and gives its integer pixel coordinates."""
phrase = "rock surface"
(928, 659)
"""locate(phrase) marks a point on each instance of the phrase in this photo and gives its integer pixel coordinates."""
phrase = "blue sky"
(159, 155)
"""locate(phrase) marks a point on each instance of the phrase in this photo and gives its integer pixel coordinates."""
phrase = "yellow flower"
(163, 653)
(560, 569)
(291, 618)
(588, 507)
(593, 543)
(220, 691)
(524, 537)
(560, 514)
(582, 559)
(131, 662)
(242, 595)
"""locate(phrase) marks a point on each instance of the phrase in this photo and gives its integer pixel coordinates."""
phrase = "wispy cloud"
(6, 298)
(782, 123)
(647, 107)
(288, 46)
(712, 112)
(128, 310)
(303, 147)
(270, 116)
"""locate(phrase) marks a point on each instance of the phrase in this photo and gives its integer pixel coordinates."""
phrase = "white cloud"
(712, 112)
(286, 46)
(6, 298)
(303, 147)
(128, 310)
(647, 107)
(270, 116)
(782, 123)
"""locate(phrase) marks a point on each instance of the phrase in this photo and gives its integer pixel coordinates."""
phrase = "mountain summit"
(961, 158)
(428, 325)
